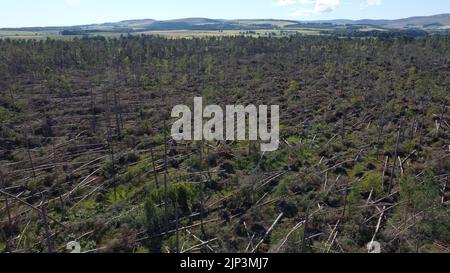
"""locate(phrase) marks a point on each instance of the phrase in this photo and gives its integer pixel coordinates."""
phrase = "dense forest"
(86, 153)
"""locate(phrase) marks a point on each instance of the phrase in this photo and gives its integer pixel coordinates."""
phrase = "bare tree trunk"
(202, 195)
(60, 187)
(8, 210)
(31, 206)
(94, 116)
(422, 123)
(166, 172)
(380, 134)
(152, 153)
(384, 170)
(441, 116)
(3, 185)
(394, 166)
(444, 189)
(139, 88)
(268, 232)
(30, 159)
(345, 203)
(8, 213)
(177, 226)
(111, 146)
(305, 231)
(48, 234)
(118, 114)
(61, 201)
(11, 95)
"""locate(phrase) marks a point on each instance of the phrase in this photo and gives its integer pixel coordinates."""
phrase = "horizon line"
(223, 19)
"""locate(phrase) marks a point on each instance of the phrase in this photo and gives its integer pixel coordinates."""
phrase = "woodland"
(86, 153)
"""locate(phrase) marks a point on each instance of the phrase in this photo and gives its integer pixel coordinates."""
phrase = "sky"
(26, 13)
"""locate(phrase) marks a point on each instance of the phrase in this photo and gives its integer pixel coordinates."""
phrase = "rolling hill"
(430, 24)
(421, 22)
(441, 20)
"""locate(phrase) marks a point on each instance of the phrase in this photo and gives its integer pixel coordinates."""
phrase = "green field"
(4, 34)
(173, 34)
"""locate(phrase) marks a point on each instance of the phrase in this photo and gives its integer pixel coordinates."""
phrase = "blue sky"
(20, 13)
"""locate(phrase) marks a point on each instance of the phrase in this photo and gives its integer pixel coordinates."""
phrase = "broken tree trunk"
(118, 113)
(347, 190)
(294, 229)
(93, 112)
(31, 206)
(8, 213)
(3, 185)
(44, 217)
(305, 231)
(268, 232)
(200, 245)
(394, 166)
(11, 95)
(202, 196)
(444, 190)
(384, 170)
(30, 159)
(330, 241)
(111, 144)
(177, 226)
(166, 172)
(380, 134)
(377, 227)
(155, 173)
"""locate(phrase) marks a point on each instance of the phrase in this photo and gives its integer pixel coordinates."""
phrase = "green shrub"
(292, 89)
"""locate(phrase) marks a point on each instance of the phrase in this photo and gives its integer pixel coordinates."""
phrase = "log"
(200, 245)
(32, 207)
(377, 227)
(268, 232)
(294, 229)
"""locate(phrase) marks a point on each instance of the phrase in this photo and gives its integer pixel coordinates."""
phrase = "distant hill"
(194, 21)
(210, 24)
(425, 22)
(441, 20)
(428, 23)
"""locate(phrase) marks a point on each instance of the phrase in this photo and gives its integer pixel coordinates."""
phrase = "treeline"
(352, 32)
(20, 56)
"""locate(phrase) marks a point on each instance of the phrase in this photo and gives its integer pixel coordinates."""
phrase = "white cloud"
(72, 2)
(371, 3)
(317, 6)
(326, 5)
